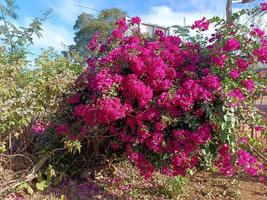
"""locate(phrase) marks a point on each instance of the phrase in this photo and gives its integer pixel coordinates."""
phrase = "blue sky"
(58, 28)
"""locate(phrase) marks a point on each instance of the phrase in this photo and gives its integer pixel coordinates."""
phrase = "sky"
(58, 29)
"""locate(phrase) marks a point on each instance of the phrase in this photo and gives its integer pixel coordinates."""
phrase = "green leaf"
(29, 190)
(41, 185)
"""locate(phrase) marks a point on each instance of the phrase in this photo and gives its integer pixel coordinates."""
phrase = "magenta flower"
(263, 6)
(121, 24)
(234, 74)
(242, 64)
(62, 129)
(232, 45)
(74, 99)
(248, 84)
(202, 24)
(38, 127)
(261, 54)
(257, 32)
(109, 110)
(136, 20)
(259, 128)
(93, 44)
(117, 34)
(224, 163)
(237, 94)
(249, 163)
(219, 60)
(243, 140)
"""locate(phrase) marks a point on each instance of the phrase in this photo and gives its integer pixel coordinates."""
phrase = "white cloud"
(53, 36)
(166, 16)
(68, 10)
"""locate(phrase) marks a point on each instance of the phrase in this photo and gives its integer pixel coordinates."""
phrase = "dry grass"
(126, 184)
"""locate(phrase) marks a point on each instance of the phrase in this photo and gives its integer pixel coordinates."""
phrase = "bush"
(31, 95)
(172, 104)
(29, 92)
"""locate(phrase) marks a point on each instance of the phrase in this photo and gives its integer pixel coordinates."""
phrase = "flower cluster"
(202, 24)
(263, 6)
(224, 163)
(231, 45)
(161, 98)
(249, 163)
(38, 127)
(244, 161)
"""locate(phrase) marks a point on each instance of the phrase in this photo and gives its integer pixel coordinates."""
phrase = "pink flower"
(104, 80)
(202, 24)
(155, 96)
(136, 20)
(115, 145)
(257, 32)
(205, 71)
(62, 129)
(243, 140)
(261, 54)
(224, 163)
(249, 163)
(242, 64)
(109, 110)
(259, 128)
(219, 60)
(237, 94)
(232, 45)
(137, 90)
(121, 24)
(234, 74)
(81, 110)
(15, 196)
(74, 99)
(145, 167)
(211, 82)
(263, 6)
(248, 84)
(93, 44)
(155, 142)
(38, 127)
(117, 34)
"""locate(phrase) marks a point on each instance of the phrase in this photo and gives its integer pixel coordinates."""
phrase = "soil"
(126, 184)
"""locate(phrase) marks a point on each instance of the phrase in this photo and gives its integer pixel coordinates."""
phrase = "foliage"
(15, 38)
(175, 186)
(29, 92)
(87, 25)
(171, 103)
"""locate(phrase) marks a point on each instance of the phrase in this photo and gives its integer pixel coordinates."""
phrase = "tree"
(15, 39)
(87, 25)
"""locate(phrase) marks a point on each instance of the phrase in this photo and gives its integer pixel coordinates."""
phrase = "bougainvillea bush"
(173, 104)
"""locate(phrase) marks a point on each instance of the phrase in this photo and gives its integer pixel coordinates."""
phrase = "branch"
(32, 175)
(258, 154)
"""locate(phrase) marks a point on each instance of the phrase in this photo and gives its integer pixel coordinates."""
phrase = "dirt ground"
(126, 184)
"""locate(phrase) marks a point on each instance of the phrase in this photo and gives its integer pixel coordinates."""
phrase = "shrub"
(30, 92)
(30, 96)
(171, 103)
